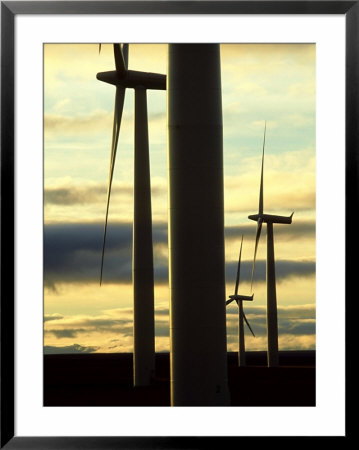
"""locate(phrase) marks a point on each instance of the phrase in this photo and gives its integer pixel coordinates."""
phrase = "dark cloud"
(162, 325)
(123, 327)
(291, 320)
(76, 326)
(248, 309)
(49, 317)
(162, 312)
(288, 312)
(99, 323)
(297, 230)
(257, 324)
(162, 330)
(75, 348)
(297, 327)
(259, 327)
(61, 333)
(294, 312)
(72, 253)
(76, 195)
(160, 116)
(284, 269)
(65, 333)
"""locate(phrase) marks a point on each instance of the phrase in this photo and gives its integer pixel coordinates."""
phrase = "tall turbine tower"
(269, 219)
(142, 261)
(196, 227)
(241, 316)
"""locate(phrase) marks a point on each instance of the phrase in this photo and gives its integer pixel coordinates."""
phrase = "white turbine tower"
(142, 262)
(269, 219)
(241, 316)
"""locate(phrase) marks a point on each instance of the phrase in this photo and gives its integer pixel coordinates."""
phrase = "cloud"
(285, 342)
(112, 330)
(113, 323)
(296, 327)
(65, 333)
(49, 317)
(72, 253)
(116, 322)
(284, 269)
(302, 229)
(94, 122)
(298, 342)
(75, 348)
(287, 313)
(162, 311)
(162, 330)
(72, 194)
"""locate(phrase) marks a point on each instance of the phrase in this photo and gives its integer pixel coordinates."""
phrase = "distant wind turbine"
(142, 262)
(269, 219)
(241, 316)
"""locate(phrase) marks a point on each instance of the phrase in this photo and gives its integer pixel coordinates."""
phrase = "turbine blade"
(119, 60)
(238, 269)
(125, 54)
(261, 187)
(119, 100)
(259, 229)
(245, 318)
(99, 48)
(229, 301)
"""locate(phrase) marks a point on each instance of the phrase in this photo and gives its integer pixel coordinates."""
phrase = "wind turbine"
(241, 316)
(142, 261)
(269, 219)
(198, 338)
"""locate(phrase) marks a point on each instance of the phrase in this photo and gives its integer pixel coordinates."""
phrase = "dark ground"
(106, 380)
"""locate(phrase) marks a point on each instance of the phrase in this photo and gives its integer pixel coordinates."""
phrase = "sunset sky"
(268, 82)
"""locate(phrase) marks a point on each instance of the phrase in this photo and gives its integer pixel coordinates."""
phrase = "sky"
(260, 82)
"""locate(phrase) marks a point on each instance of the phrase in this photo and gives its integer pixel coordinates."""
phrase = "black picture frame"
(9, 9)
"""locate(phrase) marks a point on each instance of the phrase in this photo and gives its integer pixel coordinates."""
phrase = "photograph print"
(179, 224)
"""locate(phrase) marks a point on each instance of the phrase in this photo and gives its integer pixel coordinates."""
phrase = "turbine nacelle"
(237, 297)
(241, 297)
(133, 79)
(271, 218)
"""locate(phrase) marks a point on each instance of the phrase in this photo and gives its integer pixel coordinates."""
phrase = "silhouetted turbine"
(196, 227)
(269, 219)
(142, 262)
(241, 316)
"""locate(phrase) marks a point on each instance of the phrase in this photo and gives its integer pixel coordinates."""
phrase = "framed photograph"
(289, 93)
